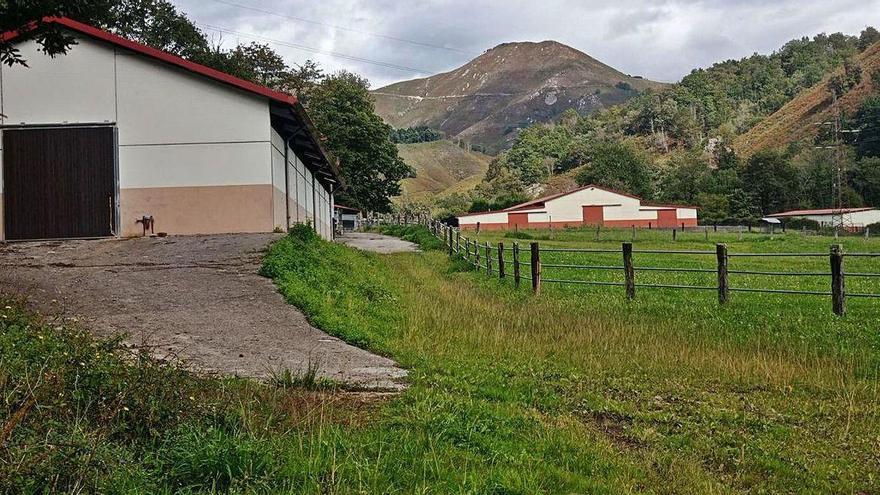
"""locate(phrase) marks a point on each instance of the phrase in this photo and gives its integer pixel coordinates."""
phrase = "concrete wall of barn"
(302, 206)
(856, 219)
(194, 153)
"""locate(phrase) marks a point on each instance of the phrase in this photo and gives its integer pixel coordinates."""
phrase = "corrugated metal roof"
(824, 211)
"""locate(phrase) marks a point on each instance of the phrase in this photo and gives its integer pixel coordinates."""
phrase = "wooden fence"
(495, 261)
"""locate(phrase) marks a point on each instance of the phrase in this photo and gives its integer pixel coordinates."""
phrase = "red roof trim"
(160, 55)
(480, 213)
(825, 211)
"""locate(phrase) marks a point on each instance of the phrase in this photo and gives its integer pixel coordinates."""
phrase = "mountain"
(797, 119)
(507, 88)
(442, 167)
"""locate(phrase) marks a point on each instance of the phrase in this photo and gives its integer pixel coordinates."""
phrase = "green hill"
(797, 119)
(441, 168)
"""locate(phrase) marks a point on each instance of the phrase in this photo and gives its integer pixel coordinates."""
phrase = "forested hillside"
(677, 144)
(798, 119)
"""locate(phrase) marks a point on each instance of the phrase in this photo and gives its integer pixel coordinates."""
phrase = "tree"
(537, 150)
(839, 84)
(714, 208)
(302, 78)
(159, 24)
(772, 180)
(816, 178)
(869, 36)
(743, 206)
(618, 166)
(342, 109)
(868, 119)
(27, 17)
(866, 180)
(684, 178)
(420, 134)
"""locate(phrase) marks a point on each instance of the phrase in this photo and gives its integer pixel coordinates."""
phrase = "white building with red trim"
(854, 217)
(588, 205)
(115, 139)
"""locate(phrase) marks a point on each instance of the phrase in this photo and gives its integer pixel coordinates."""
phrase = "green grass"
(571, 391)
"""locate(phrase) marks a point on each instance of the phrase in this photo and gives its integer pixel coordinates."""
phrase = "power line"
(298, 46)
(341, 28)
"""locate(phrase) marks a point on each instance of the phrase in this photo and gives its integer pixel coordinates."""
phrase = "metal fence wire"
(523, 263)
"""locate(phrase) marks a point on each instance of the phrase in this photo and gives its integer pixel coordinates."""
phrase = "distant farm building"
(118, 139)
(347, 218)
(852, 217)
(588, 205)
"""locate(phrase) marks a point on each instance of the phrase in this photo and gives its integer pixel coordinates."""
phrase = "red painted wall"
(520, 220)
(667, 219)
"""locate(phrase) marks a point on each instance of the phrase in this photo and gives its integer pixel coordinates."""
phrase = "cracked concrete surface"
(194, 298)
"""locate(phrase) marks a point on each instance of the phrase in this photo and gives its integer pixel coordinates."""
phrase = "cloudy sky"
(388, 40)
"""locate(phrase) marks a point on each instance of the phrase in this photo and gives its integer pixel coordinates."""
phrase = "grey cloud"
(661, 40)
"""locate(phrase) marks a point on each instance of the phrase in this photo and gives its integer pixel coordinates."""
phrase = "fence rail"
(493, 261)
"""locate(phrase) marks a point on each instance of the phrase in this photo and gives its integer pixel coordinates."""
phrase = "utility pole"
(838, 167)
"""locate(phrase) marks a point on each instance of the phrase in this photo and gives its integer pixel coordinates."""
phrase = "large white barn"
(588, 205)
(114, 133)
(852, 217)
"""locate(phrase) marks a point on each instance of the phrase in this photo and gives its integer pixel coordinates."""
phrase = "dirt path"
(378, 243)
(197, 298)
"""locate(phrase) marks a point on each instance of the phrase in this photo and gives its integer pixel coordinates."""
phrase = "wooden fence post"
(634, 233)
(476, 254)
(628, 270)
(516, 274)
(598, 227)
(501, 266)
(536, 268)
(488, 259)
(451, 250)
(673, 234)
(838, 286)
(723, 287)
(458, 241)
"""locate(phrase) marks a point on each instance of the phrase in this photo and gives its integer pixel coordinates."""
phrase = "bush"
(80, 408)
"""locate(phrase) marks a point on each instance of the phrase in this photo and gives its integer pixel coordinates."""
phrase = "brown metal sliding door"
(59, 182)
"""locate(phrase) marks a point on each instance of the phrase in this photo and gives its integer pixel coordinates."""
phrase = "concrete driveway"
(194, 298)
(378, 243)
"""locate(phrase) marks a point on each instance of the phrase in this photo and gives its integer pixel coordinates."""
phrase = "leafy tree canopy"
(421, 134)
(868, 121)
(27, 16)
(342, 108)
(618, 166)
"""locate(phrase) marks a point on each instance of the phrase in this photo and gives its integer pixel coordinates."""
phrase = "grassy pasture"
(572, 391)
